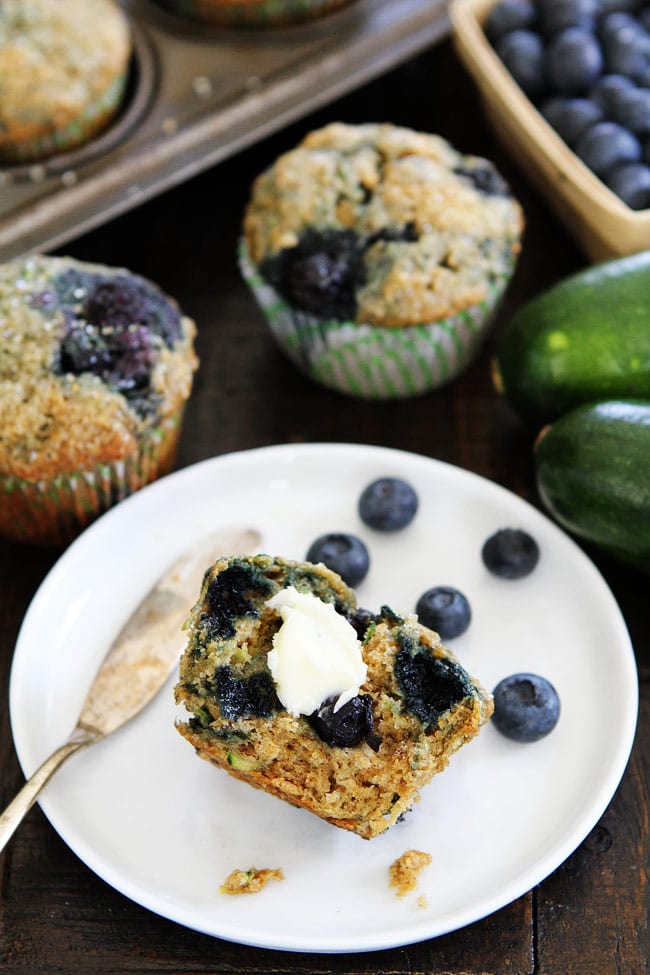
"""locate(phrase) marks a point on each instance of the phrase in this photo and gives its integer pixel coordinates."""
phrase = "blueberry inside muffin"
(359, 756)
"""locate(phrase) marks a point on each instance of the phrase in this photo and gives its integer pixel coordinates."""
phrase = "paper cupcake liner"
(252, 13)
(371, 361)
(94, 119)
(54, 511)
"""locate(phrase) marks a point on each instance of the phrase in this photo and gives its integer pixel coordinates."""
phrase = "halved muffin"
(296, 690)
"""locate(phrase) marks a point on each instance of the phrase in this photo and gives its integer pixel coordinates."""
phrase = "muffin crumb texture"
(405, 872)
(249, 881)
(358, 765)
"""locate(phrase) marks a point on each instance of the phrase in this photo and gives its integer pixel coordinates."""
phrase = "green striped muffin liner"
(252, 13)
(371, 361)
(54, 511)
(80, 130)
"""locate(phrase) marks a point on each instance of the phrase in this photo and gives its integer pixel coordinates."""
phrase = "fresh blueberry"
(342, 553)
(445, 610)
(606, 91)
(509, 15)
(571, 116)
(510, 553)
(632, 184)
(522, 52)
(573, 61)
(526, 707)
(627, 49)
(347, 727)
(557, 15)
(631, 109)
(607, 145)
(388, 504)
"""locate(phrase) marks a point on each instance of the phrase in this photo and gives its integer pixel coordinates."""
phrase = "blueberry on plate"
(445, 610)
(510, 553)
(526, 707)
(388, 504)
(342, 553)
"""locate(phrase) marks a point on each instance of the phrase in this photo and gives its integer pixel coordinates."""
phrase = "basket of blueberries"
(566, 85)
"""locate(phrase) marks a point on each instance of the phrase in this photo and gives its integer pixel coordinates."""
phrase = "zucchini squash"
(593, 475)
(587, 338)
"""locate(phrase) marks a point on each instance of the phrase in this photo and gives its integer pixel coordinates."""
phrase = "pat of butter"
(316, 654)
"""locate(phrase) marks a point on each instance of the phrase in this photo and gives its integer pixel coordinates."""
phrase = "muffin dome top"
(381, 224)
(91, 358)
(56, 58)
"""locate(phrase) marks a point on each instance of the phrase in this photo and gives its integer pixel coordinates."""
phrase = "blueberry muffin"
(64, 68)
(378, 255)
(96, 364)
(294, 689)
(253, 13)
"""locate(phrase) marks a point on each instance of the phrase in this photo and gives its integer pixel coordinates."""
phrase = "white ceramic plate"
(165, 828)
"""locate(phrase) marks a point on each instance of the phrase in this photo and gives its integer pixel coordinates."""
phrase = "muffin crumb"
(249, 881)
(405, 872)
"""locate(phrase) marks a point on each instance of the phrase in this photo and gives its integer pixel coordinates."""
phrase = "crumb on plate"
(249, 881)
(405, 871)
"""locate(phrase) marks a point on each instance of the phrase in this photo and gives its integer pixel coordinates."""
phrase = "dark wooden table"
(591, 916)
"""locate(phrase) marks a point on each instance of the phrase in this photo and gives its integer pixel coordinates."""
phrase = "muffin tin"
(196, 96)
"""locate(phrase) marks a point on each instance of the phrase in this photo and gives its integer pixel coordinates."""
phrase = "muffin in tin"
(378, 255)
(253, 13)
(64, 68)
(356, 756)
(96, 365)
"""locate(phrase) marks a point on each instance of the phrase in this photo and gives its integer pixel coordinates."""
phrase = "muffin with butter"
(96, 365)
(64, 67)
(294, 689)
(378, 255)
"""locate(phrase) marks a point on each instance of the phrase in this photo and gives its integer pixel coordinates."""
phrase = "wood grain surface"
(588, 918)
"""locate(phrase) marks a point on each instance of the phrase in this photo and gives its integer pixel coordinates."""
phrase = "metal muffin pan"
(198, 95)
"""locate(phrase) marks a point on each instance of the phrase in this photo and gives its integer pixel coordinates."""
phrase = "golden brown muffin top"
(56, 58)
(434, 228)
(80, 382)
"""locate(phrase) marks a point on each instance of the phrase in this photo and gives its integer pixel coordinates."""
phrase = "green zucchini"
(587, 338)
(593, 475)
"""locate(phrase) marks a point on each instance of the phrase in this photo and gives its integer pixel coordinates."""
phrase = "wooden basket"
(603, 225)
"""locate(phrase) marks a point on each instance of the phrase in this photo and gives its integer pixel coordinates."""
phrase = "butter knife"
(137, 664)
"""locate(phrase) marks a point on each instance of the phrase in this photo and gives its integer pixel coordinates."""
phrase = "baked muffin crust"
(435, 228)
(57, 58)
(53, 420)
